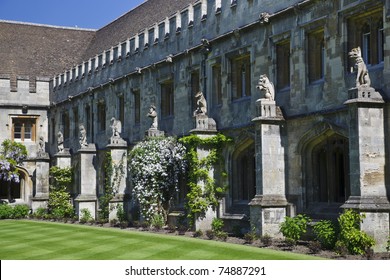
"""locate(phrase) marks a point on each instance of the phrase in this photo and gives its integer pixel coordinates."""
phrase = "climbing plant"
(113, 174)
(204, 191)
(156, 165)
(11, 155)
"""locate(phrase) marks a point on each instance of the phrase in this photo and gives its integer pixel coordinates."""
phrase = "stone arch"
(19, 192)
(324, 151)
(243, 174)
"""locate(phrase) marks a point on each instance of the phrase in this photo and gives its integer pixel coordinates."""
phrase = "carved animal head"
(263, 82)
(355, 53)
(199, 95)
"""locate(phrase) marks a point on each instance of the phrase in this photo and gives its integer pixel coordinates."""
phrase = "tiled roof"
(126, 26)
(39, 50)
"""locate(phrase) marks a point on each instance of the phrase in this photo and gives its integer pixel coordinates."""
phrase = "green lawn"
(33, 240)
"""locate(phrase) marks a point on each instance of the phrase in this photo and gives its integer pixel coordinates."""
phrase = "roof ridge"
(46, 25)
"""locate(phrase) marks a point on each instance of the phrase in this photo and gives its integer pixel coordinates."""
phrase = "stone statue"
(60, 142)
(116, 126)
(362, 78)
(41, 147)
(267, 87)
(201, 104)
(153, 115)
(83, 136)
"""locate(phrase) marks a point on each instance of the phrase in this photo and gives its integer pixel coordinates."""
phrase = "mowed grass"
(36, 240)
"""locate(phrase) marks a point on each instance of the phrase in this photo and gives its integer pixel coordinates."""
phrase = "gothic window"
(167, 99)
(137, 106)
(217, 84)
(316, 55)
(66, 125)
(243, 179)
(23, 129)
(328, 171)
(101, 115)
(241, 76)
(88, 120)
(75, 122)
(283, 65)
(366, 31)
(121, 109)
(195, 87)
(11, 190)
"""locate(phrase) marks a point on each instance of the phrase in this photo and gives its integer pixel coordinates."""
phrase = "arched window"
(326, 174)
(243, 181)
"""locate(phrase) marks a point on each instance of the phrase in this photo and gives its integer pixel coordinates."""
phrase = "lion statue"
(362, 78)
(267, 87)
(201, 104)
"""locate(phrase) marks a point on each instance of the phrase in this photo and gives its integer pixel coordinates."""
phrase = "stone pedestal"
(369, 193)
(86, 180)
(154, 132)
(63, 159)
(118, 151)
(268, 208)
(41, 192)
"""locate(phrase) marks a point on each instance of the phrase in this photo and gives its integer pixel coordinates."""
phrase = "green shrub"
(121, 214)
(250, 237)
(59, 205)
(157, 222)
(355, 241)
(221, 235)
(210, 234)
(294, 227)
(20, 211)
(86, 216)
(326, 233)
(266, 240)
(40, 213)
(5, 211)
(198, 233)
(388, 245)
(217, 224)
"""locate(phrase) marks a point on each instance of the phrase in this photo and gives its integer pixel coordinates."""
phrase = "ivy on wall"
(204, 191)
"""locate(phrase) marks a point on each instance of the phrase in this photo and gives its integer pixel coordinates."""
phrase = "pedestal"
(368, 162)
(268, 208)
(86, 181)
(63, 159)
(118, 151)
(153, 132)
(41, 192)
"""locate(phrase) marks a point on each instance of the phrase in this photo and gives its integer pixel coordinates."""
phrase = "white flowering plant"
(155, 165)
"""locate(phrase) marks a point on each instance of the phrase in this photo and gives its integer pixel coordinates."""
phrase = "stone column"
(205, 128)
(118, 151)
(268, 208)
(86, 181)
(41, 195)
(367, 163)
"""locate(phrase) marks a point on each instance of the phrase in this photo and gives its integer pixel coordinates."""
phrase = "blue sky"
(81, 13)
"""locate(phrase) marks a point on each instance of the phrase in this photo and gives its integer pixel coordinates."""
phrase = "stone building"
(310, 136)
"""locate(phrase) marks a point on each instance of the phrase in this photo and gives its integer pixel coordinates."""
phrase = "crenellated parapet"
(28, 90)
(177, 34)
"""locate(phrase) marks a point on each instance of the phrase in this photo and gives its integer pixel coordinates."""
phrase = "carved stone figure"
(116, 126)
(267, 87)
(362, 78)
(83, 136)
(41, 147)
(264, 17)
(201, 104)
(153, 115)
(60, 142)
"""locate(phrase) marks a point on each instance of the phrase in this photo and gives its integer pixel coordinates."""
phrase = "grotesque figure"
(116, 126)
(362, 78)
(60, 142)
(267, 87)
(153, 115)
(201, 104)
(83, 136)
